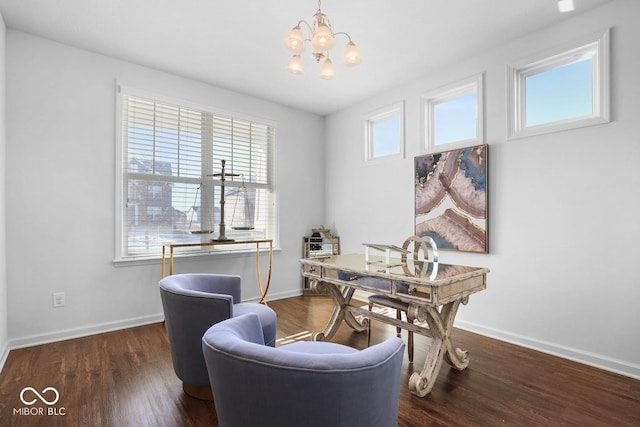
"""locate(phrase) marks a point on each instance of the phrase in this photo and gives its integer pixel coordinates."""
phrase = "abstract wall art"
(451, 198)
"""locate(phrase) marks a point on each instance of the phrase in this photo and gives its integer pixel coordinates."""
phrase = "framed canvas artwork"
(451, 198)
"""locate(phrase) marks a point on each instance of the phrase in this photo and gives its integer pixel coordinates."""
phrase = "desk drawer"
(312, 270)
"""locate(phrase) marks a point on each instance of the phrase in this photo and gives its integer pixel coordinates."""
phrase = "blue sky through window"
(386, 136)
(455, 119)
(560, 93)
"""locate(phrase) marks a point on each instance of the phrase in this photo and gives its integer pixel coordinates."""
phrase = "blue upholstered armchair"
(301, 384)
(194, 302)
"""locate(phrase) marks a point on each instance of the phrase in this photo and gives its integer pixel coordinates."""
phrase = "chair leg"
(410, 347)
(410, 340)
(398, 333)
(369, 327)
(198, 391)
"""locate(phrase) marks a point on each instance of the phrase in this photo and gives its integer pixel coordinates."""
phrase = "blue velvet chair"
(300, 384)
(191, 304)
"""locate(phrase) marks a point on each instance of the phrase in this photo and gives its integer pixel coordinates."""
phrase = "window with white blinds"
(170, 155)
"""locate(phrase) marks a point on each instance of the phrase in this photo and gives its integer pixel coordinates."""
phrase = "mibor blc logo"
(33, 401)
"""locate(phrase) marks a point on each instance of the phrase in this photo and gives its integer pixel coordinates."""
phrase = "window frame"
(122, 254)
(429, 100)
(596, 47)
(384, 113)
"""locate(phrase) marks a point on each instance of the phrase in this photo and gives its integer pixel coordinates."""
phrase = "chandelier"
(322, 39)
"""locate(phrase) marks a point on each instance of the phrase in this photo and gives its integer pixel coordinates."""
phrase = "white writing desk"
(432, 297)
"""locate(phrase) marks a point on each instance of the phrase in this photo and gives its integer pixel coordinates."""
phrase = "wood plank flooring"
(126, 378)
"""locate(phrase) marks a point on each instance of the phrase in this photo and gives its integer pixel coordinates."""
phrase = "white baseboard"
(276, 296)
(83, 331)
(3, 355)
(592, 359)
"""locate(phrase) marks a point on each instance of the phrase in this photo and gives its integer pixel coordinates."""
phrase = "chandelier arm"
(343, 33)
(302, 21)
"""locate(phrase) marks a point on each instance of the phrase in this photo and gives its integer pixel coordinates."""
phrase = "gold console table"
(263, 289)
(433, 295)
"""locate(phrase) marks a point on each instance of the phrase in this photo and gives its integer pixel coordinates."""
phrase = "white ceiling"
(238, 44)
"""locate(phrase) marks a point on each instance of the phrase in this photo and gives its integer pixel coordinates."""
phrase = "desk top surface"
(406, 272)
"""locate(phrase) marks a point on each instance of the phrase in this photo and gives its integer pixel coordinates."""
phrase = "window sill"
(157, 259)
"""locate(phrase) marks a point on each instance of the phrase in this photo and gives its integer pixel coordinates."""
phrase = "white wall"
(4, 334)
(60, 201)
(563, 207)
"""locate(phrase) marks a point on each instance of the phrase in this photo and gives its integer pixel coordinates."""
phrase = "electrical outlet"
(59, 299)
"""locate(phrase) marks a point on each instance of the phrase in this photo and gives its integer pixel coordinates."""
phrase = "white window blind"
(169, 194)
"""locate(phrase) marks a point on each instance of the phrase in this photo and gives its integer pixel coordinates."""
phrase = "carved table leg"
(440, 325)
(357, 323)
(457, 358)
(341, 300)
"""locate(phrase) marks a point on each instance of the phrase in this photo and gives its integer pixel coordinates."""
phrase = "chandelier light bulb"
(323, 39)
(327, 72)
(352, 56)
(295, 41)
(295, 65)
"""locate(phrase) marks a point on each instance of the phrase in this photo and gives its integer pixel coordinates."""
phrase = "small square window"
(455, 119)
(453, 114)
(384, 132)
(562, 91)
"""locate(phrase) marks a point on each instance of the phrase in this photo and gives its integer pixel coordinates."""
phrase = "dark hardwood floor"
(126, 378)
